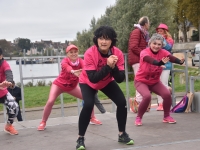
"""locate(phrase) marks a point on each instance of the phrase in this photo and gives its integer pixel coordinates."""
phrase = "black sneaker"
(124, 138)
(80, 144)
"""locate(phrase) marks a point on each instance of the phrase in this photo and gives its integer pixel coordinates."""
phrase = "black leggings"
(113, 91)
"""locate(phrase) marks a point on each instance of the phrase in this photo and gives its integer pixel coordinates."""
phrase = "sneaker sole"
(81, 148)
(169, 122)
(138, 124)
(94, 123)
(129, 143)
(41, 129)
(10, 133)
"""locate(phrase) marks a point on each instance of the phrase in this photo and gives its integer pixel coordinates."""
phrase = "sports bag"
(181, 106)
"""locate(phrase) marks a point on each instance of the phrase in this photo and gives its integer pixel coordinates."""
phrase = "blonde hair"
(168, 34)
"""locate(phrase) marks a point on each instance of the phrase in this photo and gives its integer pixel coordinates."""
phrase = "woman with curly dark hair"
(103, 69)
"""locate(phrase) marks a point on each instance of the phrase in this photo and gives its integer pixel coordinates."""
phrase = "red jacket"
(136, 44)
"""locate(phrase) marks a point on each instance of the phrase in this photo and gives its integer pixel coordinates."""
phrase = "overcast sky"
(56, 20)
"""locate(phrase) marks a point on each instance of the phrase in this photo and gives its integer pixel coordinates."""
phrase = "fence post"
(127, 83)
(22, 89)
(61, 95)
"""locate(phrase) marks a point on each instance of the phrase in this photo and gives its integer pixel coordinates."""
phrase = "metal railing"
(185, 70)
(22, 78)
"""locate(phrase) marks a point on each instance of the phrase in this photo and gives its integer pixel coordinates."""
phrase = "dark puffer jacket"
(136, 44)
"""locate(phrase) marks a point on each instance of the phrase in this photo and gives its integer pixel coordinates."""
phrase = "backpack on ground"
(181, 106)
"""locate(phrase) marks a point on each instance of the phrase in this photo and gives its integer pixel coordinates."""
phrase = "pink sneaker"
(169, 119)
(138, 121)
(42, 126)
(160, 107)
(95, 121)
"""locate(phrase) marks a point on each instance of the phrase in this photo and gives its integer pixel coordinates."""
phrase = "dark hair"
(1, 51)
(143, 20)
(105, 32)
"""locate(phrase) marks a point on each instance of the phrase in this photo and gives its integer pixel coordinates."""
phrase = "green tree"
(24, 44)
(6, 47)
(193, 12)
(40, 46)
(166, 15)
(84, 40)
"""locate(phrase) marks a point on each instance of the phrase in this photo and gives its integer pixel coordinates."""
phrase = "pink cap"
(162, 26)
(71, 47)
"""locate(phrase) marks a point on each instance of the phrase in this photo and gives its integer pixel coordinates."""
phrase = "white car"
(195, 55)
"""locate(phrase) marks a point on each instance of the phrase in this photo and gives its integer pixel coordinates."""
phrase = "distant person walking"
(138, 41)
(147, 79)
(66, 82)
(163, 30)
(103, 67)
(15, 91)
(6, 77)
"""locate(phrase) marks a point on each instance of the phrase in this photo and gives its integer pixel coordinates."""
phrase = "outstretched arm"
(152, 61)
(175, 60)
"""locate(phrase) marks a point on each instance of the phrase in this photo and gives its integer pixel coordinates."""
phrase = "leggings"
(113, 91)
(11, 106)
(98, 104)
(138, 96)
(164, 78)
(159, 89)
(55, 91)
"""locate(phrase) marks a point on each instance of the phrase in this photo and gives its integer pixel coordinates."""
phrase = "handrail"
(78, 101)
(185, 70)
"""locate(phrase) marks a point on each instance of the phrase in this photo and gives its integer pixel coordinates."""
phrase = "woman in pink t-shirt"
(66, 82)
(147, 80)
(103, 67)
(6, 78)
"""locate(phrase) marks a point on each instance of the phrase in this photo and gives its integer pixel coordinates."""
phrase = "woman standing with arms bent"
(66, 82)
(103, 67)
(147, 80)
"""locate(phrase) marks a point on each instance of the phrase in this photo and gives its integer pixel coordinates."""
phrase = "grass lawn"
(37, 96)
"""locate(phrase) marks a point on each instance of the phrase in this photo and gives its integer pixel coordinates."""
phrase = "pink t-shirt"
(148, 73)
(3, 67)
(94, 61)
(67, 81)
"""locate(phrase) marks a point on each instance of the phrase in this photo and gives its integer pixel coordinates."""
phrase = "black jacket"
(16, 92)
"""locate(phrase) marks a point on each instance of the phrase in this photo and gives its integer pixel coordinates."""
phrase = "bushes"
(39, 83)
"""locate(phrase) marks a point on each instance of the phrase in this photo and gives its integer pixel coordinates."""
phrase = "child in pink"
(147, 80)
(67, 82)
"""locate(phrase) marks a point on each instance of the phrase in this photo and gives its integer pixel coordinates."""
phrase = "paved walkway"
(61, 133)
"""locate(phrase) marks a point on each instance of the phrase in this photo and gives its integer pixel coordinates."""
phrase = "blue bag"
(181, 106)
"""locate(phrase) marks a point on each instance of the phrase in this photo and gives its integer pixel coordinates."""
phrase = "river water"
(34, 70)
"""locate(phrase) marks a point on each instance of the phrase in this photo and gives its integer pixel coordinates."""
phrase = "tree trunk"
(184, 32)
(199, 30)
